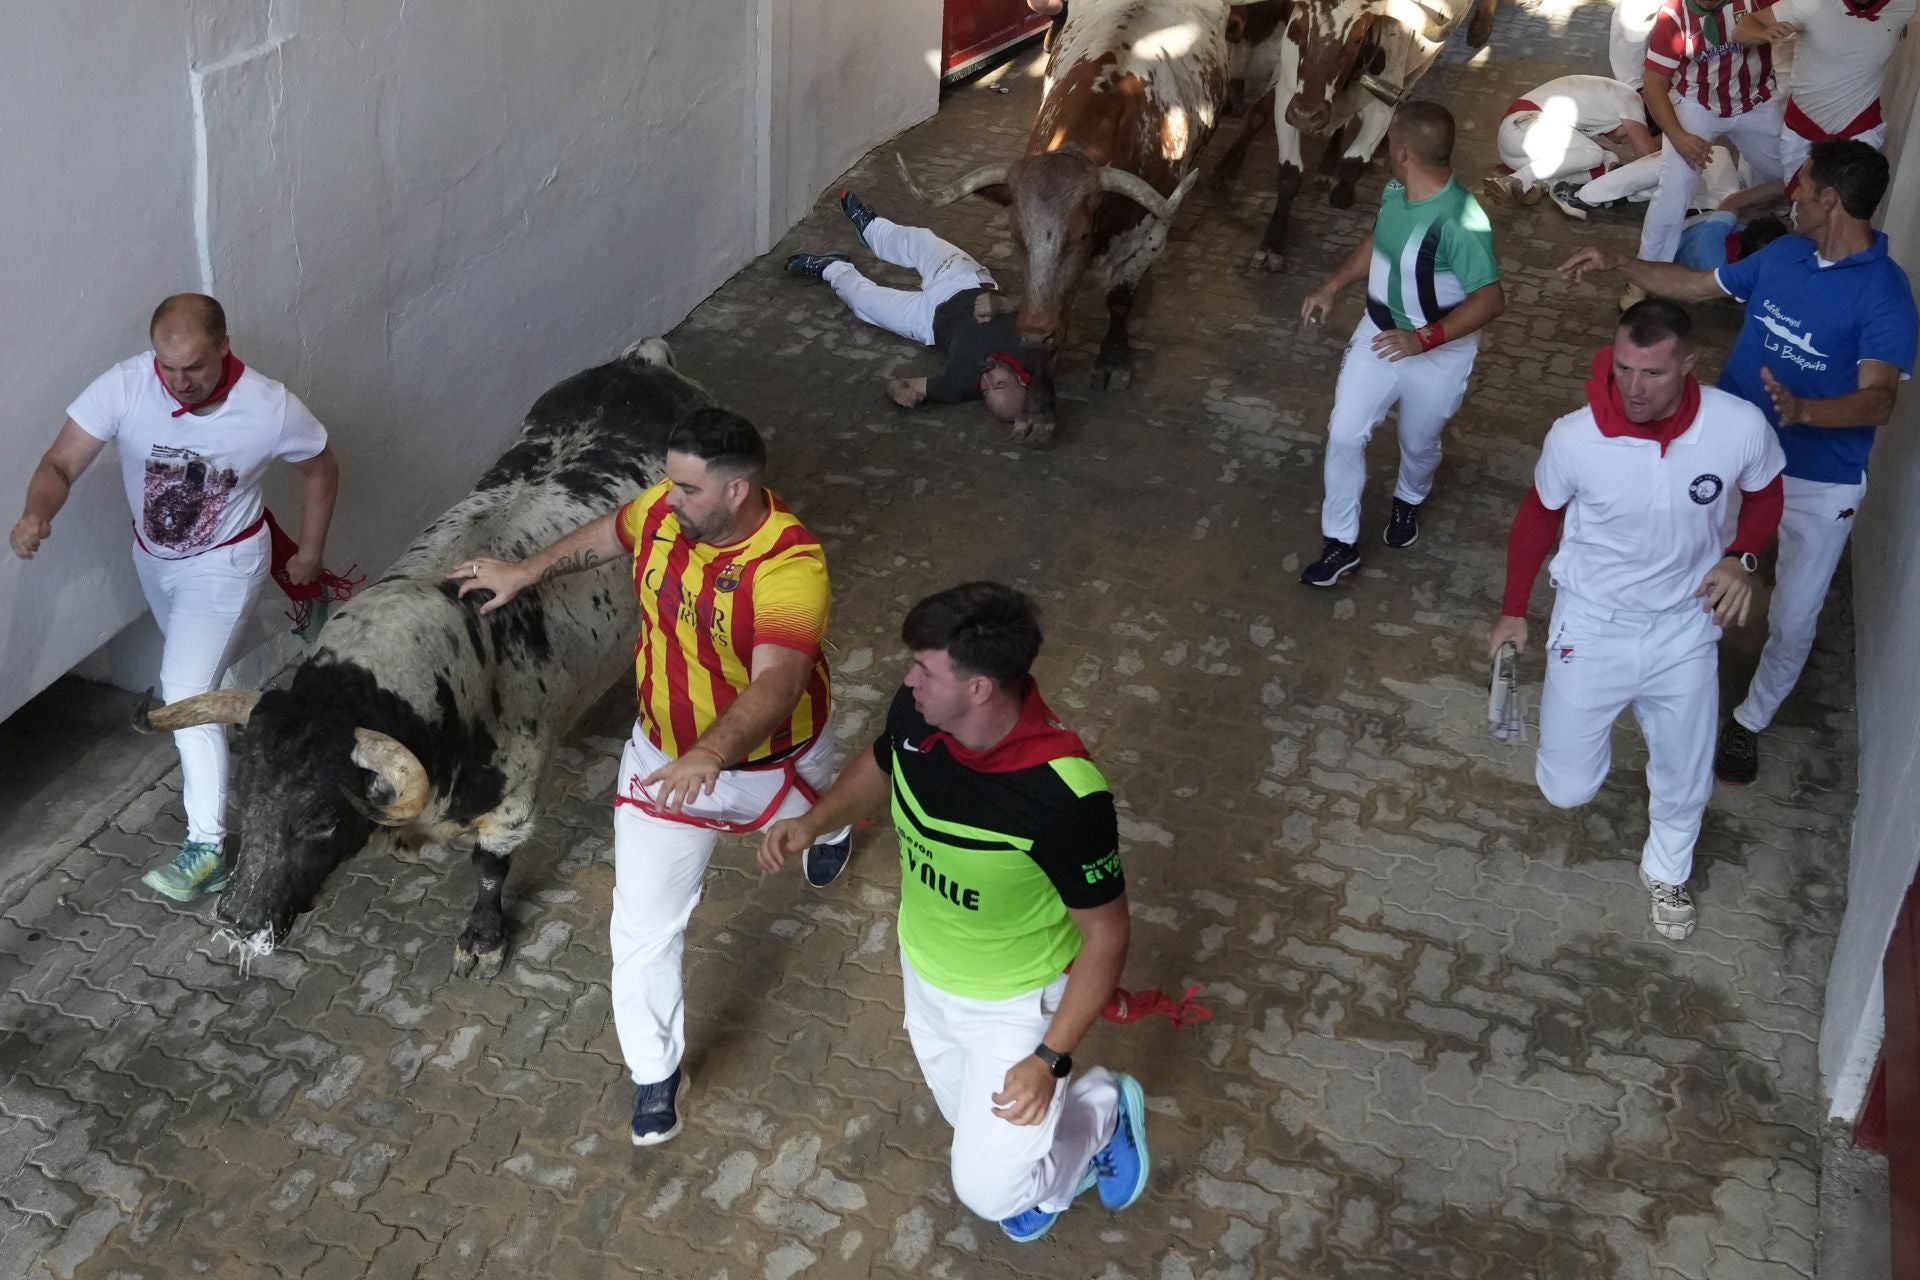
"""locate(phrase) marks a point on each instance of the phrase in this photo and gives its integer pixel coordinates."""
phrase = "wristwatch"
(1747, 559)
(1060, 1064)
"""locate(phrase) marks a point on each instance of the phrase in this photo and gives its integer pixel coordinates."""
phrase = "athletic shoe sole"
(1135, 1114)
(213, 884)
(679, 1119)
(1032, 1236)
(1338, 574)
(1387, 537)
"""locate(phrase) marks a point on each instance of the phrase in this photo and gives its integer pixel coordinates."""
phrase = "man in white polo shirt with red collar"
(1638, 487)
(197, 431)
(1840, 54)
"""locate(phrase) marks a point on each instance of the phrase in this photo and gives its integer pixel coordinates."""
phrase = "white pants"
(1756, 134)
(657, 869)
(965, 1048)
(944, 271)
(1428, 388)
(1813, 532)
(1666, 667)
(1794, 149)
(201, 604)
(1639, 179)
(1540, 146)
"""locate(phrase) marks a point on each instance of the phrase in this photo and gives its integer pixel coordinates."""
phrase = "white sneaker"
(1670, 908)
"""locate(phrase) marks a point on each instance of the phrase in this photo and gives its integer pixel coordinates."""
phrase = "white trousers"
(965, 1048)
(1540, 146)
(201, 604)
(1639, 179)
(1813, 532)
(1428, 388)
(658, 866)
(1794, 149)
(1756, 134)
(1666, 667)
(944, 271)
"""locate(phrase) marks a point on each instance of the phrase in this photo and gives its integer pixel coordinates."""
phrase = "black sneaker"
(1337, 560)
(823, 862)
(813, 264)
(858, 212)
(1403, 527)
(656, 1115)
(1562, 195)
(1736, 759)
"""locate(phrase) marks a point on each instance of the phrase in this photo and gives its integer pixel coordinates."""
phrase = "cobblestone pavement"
(1445, 1041)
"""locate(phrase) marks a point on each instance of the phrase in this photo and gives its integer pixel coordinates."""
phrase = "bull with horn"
(416, 714)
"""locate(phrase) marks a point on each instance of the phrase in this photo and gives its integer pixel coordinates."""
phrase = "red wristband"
(1430, 335)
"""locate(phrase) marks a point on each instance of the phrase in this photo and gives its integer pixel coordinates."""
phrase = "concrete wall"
(418, 216)
(1886, 598)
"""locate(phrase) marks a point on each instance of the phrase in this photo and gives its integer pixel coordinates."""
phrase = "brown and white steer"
(1133, 89)
(1336, 69)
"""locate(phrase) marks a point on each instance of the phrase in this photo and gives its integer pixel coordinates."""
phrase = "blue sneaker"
(195, 870)
(857, 211)
(823, 862)
(1028, 1226)
(814, 264)
(655, 1115)
(1120, 1168)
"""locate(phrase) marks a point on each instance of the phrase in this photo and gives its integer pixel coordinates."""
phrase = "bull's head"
(1054, 197)
(1335, 42)
(312, 786)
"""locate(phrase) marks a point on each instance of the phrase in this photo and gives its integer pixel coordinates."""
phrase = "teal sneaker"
(195, 870)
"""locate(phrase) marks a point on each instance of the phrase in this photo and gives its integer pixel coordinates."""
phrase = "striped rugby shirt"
(1428, 255)
(1695, 49)
(703, 610)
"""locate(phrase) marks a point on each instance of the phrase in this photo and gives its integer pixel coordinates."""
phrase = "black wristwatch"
(1060, 1064)
(1747, 559)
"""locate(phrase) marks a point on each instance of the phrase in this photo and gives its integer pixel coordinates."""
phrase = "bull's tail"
(653, 351)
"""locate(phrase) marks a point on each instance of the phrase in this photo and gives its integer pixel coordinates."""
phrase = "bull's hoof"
(477, 960)
(1035, 433)
(1340, 196)
(1112, 377)
(1267, 262)
(1480, 29)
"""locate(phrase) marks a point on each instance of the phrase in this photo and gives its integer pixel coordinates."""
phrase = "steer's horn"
(1141, 192)
(400, 769)
(987, 175)
(222, 706)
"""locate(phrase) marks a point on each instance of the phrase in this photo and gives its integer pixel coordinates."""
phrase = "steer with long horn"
(1133, 89)
(417, 714)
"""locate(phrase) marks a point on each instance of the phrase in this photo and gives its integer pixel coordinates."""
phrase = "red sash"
(1801, 123)
(1518, 105)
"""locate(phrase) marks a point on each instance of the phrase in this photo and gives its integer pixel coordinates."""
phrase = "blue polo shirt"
(1812, 326)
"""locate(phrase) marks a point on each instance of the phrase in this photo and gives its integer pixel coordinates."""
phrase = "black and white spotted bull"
(1333, 69)
(1132, 92)
(417, 714)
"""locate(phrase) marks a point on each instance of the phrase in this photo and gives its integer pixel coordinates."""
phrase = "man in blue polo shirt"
(1830, 333)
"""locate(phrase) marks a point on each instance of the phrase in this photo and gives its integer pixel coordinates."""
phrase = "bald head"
(1426, 130)
(189, 333)
(189, 315)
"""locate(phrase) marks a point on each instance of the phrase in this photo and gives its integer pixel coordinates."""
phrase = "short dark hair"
(722, 439)
(1651, 321)
(1426, 129)
(1760, 233)
(197, 309)
(1852, 168)
(985, 628)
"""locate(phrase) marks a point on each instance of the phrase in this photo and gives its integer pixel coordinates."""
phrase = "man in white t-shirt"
(1562, 130)
(1627, 39)
(196, 430)
(1639, 487)
(1840, 54)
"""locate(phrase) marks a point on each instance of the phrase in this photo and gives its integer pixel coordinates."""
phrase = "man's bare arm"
(71, 453)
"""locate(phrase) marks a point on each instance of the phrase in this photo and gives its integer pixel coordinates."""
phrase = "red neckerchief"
(1036, 737)
(1610, 415)
(1733, 247)
(1018, 369)
(230, 371)
(1869, 11)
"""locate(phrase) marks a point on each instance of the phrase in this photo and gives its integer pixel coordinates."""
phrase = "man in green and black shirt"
(1010, 874)
(1432, 283)
(957, 308)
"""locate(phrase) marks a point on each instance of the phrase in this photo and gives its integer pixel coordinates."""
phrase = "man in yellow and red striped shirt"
(733, 707)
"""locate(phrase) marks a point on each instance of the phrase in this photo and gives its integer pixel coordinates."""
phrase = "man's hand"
(1508, 630)
(505, 578)
(1788, 406)
(1728, 590)
(684, 780)
(1588, 259)
(906, 392)
(27, 534)
(1782, 34)
(1693, 148)
(1026, 1093)
(1318, 303)
(1394, 345)
(303, 568)
(787, 838)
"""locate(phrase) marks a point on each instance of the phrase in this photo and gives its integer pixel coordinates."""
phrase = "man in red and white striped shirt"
(1701, 86)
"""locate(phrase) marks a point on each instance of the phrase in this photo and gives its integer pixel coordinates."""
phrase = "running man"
(1013, 911)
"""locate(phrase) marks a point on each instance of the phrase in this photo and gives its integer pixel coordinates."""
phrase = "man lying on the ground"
(1575, 126)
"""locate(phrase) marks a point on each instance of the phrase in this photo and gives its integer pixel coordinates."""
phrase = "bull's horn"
(987, 175)
(1141, 192)
(222, 706)
(401, 770)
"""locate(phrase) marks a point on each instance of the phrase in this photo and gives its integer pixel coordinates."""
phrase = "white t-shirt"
(1642, 528)
(1592, 104)
(193, 481)
(1840, 61)
(1627, 39)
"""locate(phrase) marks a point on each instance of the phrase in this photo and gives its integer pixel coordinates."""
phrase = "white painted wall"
(418, 216)
(1886, 598)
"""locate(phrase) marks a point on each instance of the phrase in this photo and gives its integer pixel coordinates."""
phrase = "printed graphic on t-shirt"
(1786, 341)
(183, 496)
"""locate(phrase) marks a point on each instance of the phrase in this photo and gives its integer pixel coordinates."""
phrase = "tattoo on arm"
(573, 562)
